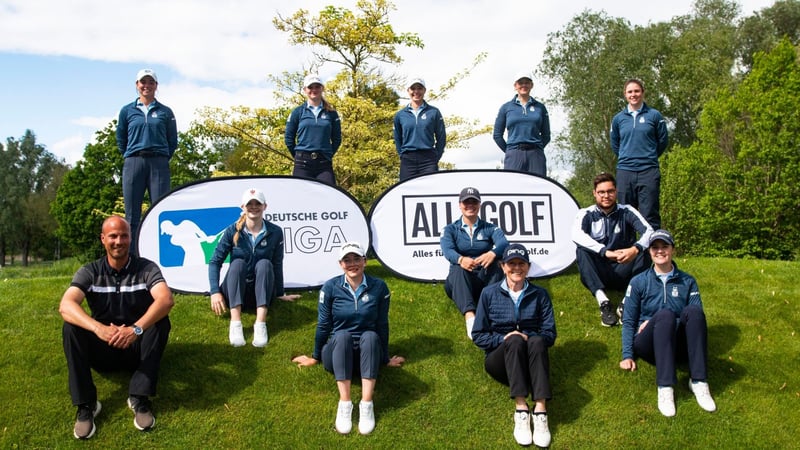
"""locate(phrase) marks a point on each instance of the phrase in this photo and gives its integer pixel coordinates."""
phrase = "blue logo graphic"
(189, 237)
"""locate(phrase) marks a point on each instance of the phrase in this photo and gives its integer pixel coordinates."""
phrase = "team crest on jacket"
(321, 297)
(674, 291)
(365, 298)
(424, 116)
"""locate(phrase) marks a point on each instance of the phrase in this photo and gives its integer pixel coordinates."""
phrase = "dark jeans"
(418, 162)
(341, 353)
(314, 165)
(642, 191)
(85, 351)
(241, 289)
(525, 159)
(140, 173)
(523, 366)
(464, 287)
(666, 340)
(599, 272)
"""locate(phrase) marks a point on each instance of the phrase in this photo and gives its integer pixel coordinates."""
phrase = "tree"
(29, 175)
(366, 99)
(763, 30)
(735, 191)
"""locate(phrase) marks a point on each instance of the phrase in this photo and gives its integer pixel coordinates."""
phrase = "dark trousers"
(531, 160)
(418, 162)
(666, 340)
(140, 173)
(341, 353)
(242, 289)
(85, 351)
(599, 272)
(314, 165)
(464, 287)
(642, 191)
(523, 366)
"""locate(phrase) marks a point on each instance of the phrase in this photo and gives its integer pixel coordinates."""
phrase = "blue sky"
(67, 67)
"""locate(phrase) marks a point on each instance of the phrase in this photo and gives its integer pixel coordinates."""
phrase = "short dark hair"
(633, 80)
(603, 177)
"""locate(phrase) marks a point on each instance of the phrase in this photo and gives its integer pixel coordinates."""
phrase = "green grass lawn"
(212, 395)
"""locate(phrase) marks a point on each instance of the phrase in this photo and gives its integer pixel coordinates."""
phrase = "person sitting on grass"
(128, 327)
(352, 336)
(663, 322)
(515, 326)
(255, 246)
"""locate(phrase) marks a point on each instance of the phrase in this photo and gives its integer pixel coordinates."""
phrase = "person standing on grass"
(515, 326)
(528, 126)
(314, 133)
(419, 134)
(471, 245)
(638, 137)
(611, 239)
(352, 337)
(664, 322)
(147, 137)
(255, 247)
(128, 327)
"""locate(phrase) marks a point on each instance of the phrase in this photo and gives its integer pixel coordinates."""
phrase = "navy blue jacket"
(268, 246)
(497, 315)
(598, 232)
(306, 132)
(647, 294)
(155, 132)
(638, 143)
(455, 241)
(339, 311)
(424, 131)
(528, 124)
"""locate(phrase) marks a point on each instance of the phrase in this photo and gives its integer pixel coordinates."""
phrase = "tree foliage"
(763, 30)
(735, 191)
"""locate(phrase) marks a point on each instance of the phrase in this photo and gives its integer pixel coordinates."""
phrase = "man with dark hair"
(611, 240)
(128, 327)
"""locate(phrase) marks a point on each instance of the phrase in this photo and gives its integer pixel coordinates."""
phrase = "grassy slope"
(214, 396)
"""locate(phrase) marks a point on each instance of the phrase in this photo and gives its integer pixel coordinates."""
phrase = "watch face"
(137, 330)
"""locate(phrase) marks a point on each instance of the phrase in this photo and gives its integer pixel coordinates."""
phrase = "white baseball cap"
(351, 247)
(253, 194)
(416, 80)
(312, 78)
(146, 73)
(521, 75)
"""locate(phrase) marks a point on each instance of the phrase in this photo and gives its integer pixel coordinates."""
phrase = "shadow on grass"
(569, 362)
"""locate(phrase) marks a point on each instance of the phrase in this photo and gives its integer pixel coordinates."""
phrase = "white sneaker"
(522, 427)
(541, 431)
(260, 336)
(236, 334)
(703, 395)
(366, 417)
(344, 415)
(470, 324)
(666, 401)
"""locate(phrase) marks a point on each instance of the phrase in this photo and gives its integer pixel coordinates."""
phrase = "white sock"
(601, 296)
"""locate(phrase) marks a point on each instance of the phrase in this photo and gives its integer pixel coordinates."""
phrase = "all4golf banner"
(180, 231)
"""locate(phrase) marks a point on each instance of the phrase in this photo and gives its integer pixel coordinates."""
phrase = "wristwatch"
(137, 330)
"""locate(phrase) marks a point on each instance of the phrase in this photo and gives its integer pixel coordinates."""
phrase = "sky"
(66, 68)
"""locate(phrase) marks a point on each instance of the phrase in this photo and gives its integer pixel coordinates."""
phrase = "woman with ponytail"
(255, 273)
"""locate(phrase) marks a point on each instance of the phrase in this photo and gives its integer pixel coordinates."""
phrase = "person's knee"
(264, 265)
(536, 344)
(664, 314)
(514, 342)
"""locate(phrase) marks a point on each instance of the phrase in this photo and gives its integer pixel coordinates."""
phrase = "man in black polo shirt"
(127, 330)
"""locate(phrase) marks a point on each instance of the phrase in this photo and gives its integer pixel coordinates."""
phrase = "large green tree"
(735, 191)
(362, 43)
(764, 29)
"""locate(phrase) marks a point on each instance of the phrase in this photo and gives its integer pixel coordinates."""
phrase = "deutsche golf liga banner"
(181, 231)
(408, 219)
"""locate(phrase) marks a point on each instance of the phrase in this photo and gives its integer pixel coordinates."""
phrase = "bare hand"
(627, 364)
(396, 361)
(218, 304)
(626, 255)
(524, 336)
(486, 259)
(289, 297)
(122, 337)
(467, 263)
(304, 361)
(641, 327)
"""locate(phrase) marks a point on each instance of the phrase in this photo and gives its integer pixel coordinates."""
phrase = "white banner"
(407, 221)
(181, 230)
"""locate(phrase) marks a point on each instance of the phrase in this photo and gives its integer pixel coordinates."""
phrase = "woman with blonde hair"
(255, 246)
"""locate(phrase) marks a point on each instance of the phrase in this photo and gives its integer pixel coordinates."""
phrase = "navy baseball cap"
(516, 251)
(468, 193)
(661, 235)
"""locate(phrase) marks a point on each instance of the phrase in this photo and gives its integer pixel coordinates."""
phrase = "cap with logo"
(312, 78)
(468, 193)
(253, 194)
(416, 80)
(351, 247)
(146, 73)
(662, 235)
(517, 251)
